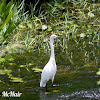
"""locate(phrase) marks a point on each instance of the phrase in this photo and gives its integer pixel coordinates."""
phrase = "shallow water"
(75, 78)
(72, 82)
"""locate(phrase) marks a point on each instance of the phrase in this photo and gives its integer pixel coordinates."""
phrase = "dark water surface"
(75, 79)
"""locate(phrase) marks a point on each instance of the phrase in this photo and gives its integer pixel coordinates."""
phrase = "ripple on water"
(91, 94)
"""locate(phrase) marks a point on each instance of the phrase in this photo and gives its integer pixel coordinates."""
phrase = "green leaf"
(10, 28)
(90, 31)
(37, 69)
(49, 30)
(22, 66)
(98, 73)
(2, 60)
(8, 57)
(90, 14)
(98, 82)
(11, 64)
(29, 25)
(16, 79)
(2, 6)
(5, 8)
(7, 19)
(5, 71)
(2, 72)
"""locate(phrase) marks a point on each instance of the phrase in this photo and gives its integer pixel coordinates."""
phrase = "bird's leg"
(52, 82)
(46, 87)
(52, 85)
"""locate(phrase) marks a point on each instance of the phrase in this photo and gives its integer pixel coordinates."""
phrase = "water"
(76, 77)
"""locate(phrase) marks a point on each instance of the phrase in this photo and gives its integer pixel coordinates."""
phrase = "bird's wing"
(48, 71)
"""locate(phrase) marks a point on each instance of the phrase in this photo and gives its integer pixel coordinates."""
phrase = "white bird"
(50, 68)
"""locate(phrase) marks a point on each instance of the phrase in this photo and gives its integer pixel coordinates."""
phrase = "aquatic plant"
(77, 21)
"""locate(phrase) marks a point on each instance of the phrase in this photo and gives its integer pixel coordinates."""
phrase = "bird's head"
(54, 36)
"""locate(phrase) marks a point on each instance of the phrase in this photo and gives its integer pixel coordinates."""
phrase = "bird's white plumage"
(50, 68)
(48, 72)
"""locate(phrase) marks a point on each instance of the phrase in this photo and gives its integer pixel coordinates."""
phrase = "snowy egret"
(50, 68)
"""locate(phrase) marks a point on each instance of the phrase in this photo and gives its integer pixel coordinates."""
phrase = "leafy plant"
(4, 60)
(8, 21)
(98, 73)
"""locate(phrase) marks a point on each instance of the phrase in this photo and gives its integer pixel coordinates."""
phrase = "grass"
(77, 21)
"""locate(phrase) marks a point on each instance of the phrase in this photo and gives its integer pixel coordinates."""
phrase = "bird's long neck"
(52, 49)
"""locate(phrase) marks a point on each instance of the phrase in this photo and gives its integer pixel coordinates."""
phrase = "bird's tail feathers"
(42, 84)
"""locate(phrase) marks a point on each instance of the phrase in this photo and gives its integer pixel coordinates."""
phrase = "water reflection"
(89, 94)
(75, 79)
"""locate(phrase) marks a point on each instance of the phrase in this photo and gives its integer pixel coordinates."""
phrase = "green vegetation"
(78, 21)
